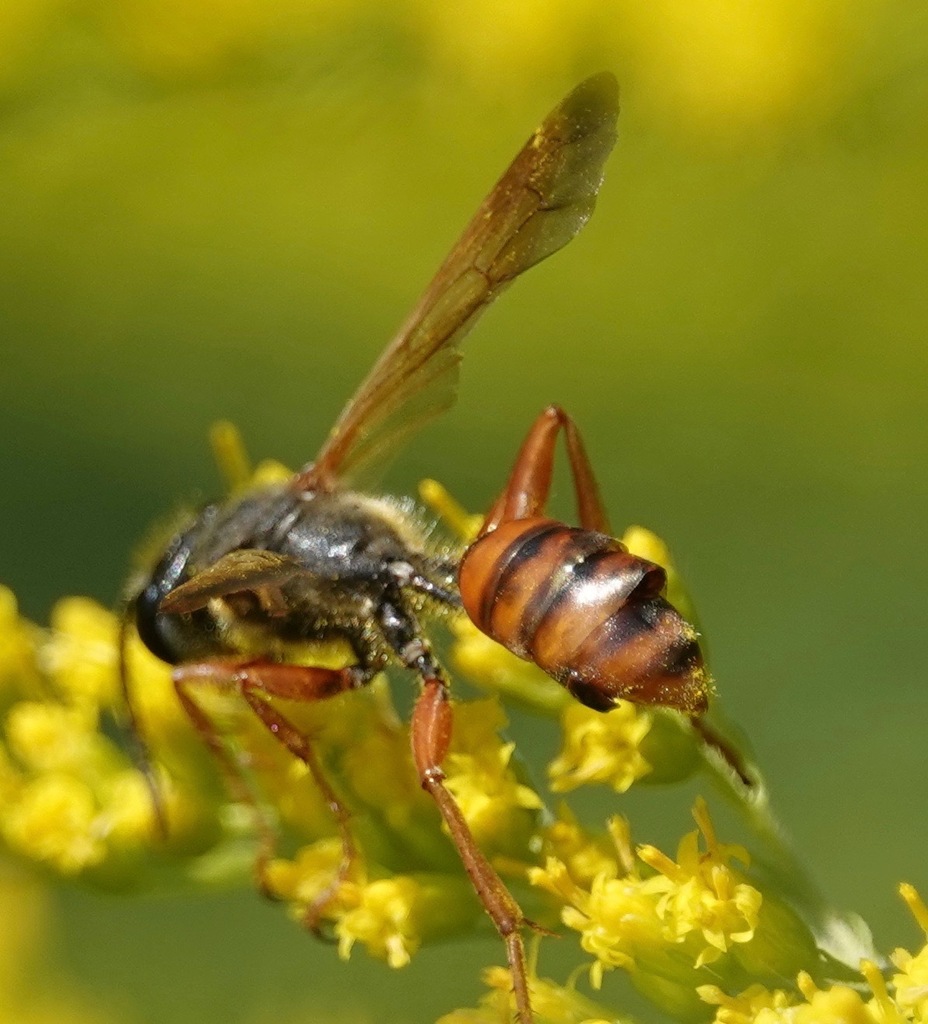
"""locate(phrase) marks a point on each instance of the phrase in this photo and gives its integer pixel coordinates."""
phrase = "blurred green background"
(223, 208)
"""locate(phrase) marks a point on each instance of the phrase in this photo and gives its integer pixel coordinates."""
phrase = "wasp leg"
(256, 681)
(444, 595)
(526, 492)
(430, 734)
(728, 753)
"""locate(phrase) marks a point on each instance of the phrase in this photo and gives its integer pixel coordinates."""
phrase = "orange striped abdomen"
(586, 611)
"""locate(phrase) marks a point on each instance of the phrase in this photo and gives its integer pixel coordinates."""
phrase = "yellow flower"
(230, 455)
(481, 778)
(73, 801)
(837, 1004)
(390, 916)
(375, 759)
(599, 747)
(19, 641)
(55, 821)
(47, 736)
(911, 983)
(152, 694)
(885, 1009)
(301, 880)
(552, 1003)
(81, 654)
(383, 920)
(810, 1004)
(298, 801)
(756, 1005)
(615, 914)
(700, 893)
(617, 920)
(380, 770)
(127, 816)
(663, 928)
(583, 856)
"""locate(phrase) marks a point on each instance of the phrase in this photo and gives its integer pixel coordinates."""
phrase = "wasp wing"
(262, 573)
(542, 200)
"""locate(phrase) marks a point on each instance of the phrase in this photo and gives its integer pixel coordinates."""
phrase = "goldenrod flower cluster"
(665, 920)
(696, 930)
(71, 800)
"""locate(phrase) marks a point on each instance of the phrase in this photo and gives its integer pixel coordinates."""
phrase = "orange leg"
(256, 681)
(526, 492)
(431, 735)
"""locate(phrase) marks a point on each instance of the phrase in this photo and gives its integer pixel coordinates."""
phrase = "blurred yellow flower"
(581, 855)
(491, 667)
(55, 822)
(502, 44)
(44, 736)
(301, 879)
(19, 640)
(81, 653)
(171, 38)
(735, 68)
(23, 25)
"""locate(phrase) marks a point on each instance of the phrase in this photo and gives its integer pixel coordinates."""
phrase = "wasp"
(314, 558)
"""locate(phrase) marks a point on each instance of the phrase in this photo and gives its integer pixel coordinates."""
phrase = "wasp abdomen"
(586, 611)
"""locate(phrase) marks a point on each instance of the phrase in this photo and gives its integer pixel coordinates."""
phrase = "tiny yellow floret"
(551, 1002)
(756, 1005)
(480, 776)
(583, 856)
(230, 454)
(600, 748)
(81, 655)
(837, 1004)
(700, 893)
(302, 879)
(19, 642)
(911, 982)
(47, 736)
(383, 920)
(55, 821)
